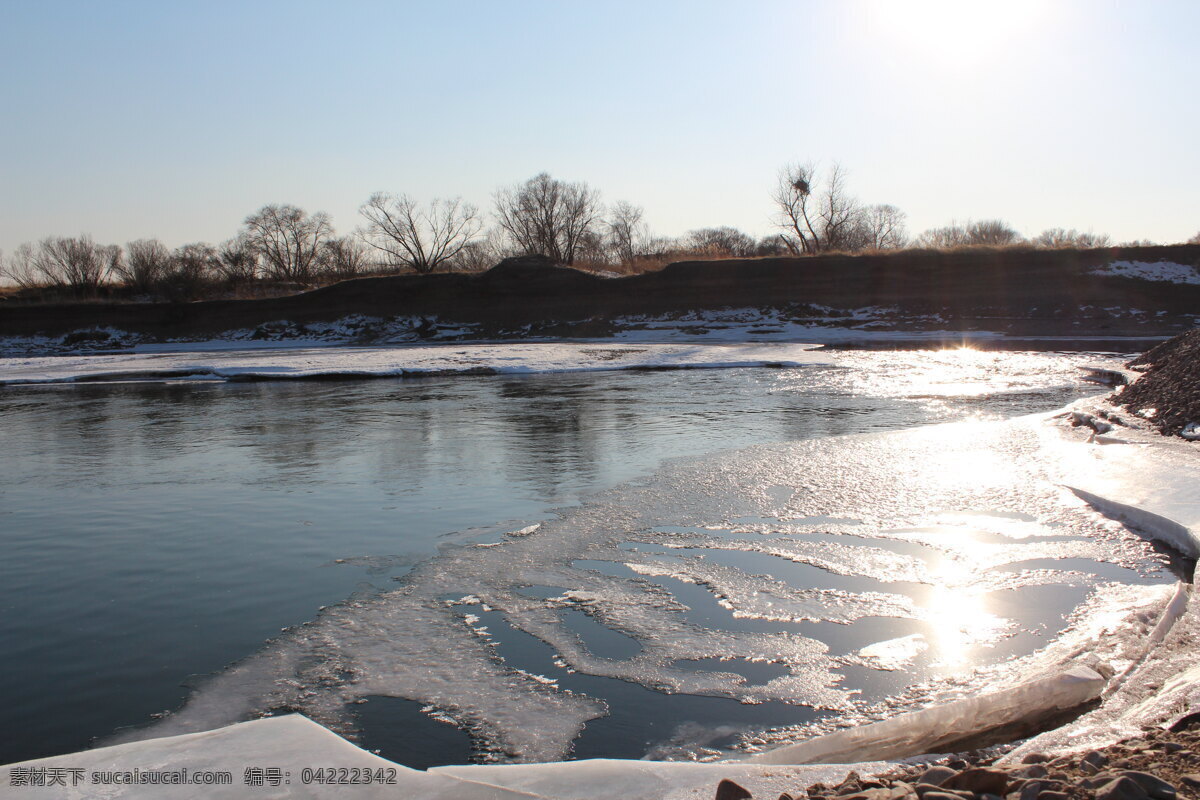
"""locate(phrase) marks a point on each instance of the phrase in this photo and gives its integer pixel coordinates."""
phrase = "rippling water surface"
(558, 550)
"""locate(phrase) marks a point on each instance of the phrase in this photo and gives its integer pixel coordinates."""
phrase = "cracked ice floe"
(923, 501)
(761, 597)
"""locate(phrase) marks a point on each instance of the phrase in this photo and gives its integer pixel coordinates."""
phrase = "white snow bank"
(932, 729)
(651, 780)
(289, 744)
(1152, 483)
(1167, 271)
(1148, 481)
(401, 361)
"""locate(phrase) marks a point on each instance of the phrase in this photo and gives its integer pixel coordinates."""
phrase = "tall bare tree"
(77, 264)
(1061, 238)
(423, 238)
(883, 228)
(146, 262)
(343, 257)
(992, 231)
(817, 218)
(970, 234)
(192, 267)
(288, 240)
(238, 260)
(627, 233)
(794, 195)
(19, 268)
(549, 217)
(722, 242)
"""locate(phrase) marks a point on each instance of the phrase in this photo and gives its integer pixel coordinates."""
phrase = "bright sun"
(954, 32)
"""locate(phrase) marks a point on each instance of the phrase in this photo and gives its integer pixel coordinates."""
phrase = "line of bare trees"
(815, 212)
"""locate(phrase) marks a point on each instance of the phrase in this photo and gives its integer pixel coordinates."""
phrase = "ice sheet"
(945, 495)
(400, 361)
(932, 729)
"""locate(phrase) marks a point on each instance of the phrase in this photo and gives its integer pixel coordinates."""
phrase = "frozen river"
(560, 562)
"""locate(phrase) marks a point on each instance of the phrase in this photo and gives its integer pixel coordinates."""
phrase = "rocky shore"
(1168, 391)
(1159, 765)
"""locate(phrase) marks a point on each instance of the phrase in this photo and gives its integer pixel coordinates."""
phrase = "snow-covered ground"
(1167, 271)
(1136, 648)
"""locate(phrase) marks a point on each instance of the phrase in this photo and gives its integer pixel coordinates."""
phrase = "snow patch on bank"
(1166, 271)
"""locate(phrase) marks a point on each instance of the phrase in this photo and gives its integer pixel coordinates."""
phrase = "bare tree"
(549, 217)
(1194, 240)
(146, 262)
(948, 236)
(817, 219)
(237, 260)
(793, 196)
(19, 268)
(883, 228)
(288, 240)
(723, 242)
(191, 268)
(76, 264)
(420, 238)
(343, 258)
(839, 214)
(992, 232)
(1061, 238)
(627, 233)
(772, 246)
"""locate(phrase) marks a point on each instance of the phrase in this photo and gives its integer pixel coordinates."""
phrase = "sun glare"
(954, 32)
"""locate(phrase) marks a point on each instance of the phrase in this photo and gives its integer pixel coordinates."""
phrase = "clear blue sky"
(176, 119)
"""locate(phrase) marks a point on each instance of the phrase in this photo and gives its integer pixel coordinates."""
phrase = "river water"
(533, 567)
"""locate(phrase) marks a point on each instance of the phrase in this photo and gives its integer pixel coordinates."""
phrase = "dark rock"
(936, 776)
(1098, 780)
(937, 794)
(1192, 780)
(1185, 722)
(1095, 758)
(1171, 747)
(786, 796)
(1035, 758)
(868, 794)
(979, 780)
(1031, 771)
(1053, 796)
(1121, 789)
(1153, 785)
(728, 790)
(1031, 789)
